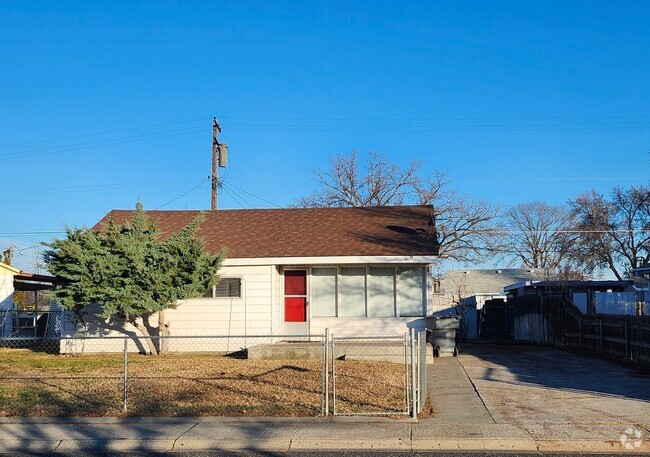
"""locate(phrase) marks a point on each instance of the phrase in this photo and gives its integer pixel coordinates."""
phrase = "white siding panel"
(205, 316)
(366, 326)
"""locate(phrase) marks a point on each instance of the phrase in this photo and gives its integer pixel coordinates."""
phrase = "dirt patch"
(39, 384)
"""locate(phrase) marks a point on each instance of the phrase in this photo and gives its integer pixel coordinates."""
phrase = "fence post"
(627, 340)
(333, 357)
(602, 335)
(126, 375)
(414, 412)
(580, 330)
(326, 372)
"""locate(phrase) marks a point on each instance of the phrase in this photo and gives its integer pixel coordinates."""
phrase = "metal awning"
(36, 282)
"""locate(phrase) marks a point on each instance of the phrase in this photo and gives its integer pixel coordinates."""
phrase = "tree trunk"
(143, 329)
(163, 331)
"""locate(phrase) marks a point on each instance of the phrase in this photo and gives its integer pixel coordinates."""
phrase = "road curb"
(383, 444)
(21, 445)
(591, 446)
(283, 445)
(270, 445)
(450, 444)
(117, 445)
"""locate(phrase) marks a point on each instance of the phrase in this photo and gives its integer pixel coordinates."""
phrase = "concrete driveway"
(541, 388)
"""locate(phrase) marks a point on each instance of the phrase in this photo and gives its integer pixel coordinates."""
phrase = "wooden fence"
(554, 321)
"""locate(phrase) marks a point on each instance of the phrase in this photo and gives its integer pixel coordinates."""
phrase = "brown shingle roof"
(305, 232)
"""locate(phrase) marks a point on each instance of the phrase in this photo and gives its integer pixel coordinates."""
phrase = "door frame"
(297, 328)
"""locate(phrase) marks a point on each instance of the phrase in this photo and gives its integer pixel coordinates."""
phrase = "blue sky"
(102, 104)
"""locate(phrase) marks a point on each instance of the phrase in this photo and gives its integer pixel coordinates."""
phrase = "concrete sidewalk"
(300, 434)
(473, 396)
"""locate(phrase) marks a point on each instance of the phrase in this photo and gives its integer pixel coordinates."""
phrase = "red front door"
(295, 296)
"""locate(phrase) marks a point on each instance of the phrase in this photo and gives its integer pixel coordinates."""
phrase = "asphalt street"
(306, 454)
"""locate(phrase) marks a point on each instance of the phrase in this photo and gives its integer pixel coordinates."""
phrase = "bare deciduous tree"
(614, 233)
(539, 235)
(370, 182)
(464, 226)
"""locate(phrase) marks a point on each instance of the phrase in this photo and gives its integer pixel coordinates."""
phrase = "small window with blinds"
(225, 288)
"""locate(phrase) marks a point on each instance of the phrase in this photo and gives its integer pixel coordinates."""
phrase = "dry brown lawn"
(41, 384)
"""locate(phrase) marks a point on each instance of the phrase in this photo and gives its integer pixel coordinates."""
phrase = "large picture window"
(367, 291)
(381, 292)
(353, 292)
(411, 292)
(323, 292)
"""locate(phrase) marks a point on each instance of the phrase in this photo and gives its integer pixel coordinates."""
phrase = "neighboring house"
(605, 297)
(463, 292)
(25, 309)
(7, 273)
(356, 271)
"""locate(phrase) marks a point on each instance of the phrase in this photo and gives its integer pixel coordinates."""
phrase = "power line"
(234, 198)
(454, 231)
(252, 195)
(506, 231)
(107, 132)
(31, 233)
(92, 145)
(184, 194)
(431, 129)
(438, 119)
(493, 124)
(95, 186)
(238, 195)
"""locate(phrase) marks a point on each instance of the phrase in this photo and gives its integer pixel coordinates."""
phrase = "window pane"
(411, 292)
(228, 288)
(323, 292)
(352, 284)
(381, 292)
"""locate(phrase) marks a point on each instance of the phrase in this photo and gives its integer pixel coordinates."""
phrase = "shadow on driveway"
(523, 365)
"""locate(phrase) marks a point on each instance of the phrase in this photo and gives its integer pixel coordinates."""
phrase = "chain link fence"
(421, 369)
(370, 375)
(279, 375)
(616, 303)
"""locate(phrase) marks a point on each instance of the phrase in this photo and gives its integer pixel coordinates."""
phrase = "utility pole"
(219, 159)
(216, 128)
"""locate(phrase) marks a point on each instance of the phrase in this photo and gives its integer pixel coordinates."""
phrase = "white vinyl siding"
(323, 292)
(352, 292)
(381, 292)
(411, 292)
(250, 314)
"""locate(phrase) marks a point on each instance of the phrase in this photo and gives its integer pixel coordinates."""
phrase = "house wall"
(6, 301)
(366, 326)
(252, 314)
(260, 311)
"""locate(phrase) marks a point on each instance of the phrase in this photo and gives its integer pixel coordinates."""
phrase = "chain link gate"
(421, 370)
(365, 369)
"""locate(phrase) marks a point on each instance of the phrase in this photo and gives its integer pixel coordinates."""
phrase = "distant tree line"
(592, 232)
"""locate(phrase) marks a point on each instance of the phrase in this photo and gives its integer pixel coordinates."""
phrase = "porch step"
(386, 351)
